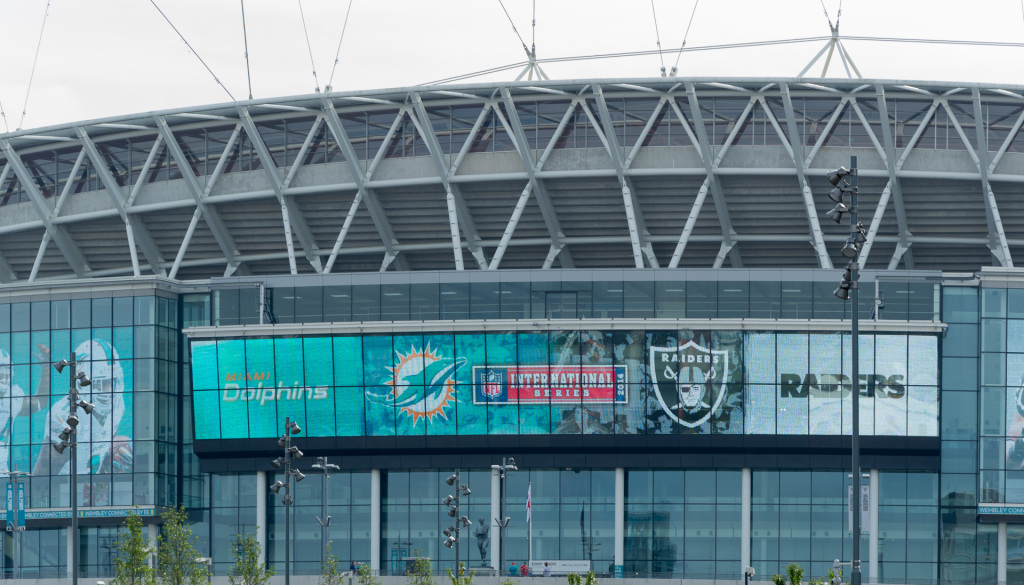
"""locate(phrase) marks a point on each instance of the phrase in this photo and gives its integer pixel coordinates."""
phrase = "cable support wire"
(245, 39)
(24, 107)
(337, 54)
(686, 35)
(657, 38)
(316, 82)
(725, 46)
(187, 44)
(4, 116)
(514, 29)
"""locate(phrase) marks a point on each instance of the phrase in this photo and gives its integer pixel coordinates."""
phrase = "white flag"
(528, 490)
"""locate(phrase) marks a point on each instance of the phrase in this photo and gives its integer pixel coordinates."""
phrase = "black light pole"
(290, 428)
(844, 182)
(452, 532)
(507, 465)
(69, 438)
(324, 519)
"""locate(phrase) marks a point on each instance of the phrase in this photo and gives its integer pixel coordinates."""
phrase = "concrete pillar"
(620, 516)
(1001, 554)
(746, 483)
(375, 521)
(261, 514)
(495, 514)
(873, 528)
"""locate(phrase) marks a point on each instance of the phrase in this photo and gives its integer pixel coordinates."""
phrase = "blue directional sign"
(21, 503)
(10, 503)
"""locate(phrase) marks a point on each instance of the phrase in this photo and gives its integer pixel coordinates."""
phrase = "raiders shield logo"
(689, 381)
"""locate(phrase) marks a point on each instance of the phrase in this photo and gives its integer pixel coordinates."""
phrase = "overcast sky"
(101, 58)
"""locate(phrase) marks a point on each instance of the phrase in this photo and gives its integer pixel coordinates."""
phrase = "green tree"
(796, 574)
(778, 579)
(131, 567)
(176, 557)
(330, 570)
(248, 570)
(575, 579)
(463, 578)
(365, 576)
(422, 572)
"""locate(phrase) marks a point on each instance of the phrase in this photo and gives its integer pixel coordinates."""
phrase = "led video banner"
(562, 382)
(34, 405)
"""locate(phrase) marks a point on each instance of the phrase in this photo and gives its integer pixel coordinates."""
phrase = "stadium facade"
(625, 285)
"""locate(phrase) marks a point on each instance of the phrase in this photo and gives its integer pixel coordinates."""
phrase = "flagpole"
(529, 523)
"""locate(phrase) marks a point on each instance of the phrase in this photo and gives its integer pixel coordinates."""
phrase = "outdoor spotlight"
(59, 366)
(83, 380)
(295, 452)
(837, 212)
(465, 521)
(281, 441)
(453, 511)
(836, 194)
(299, 476)
(65, 435)
(447, 500)
(838, 175)
(294, 426)
(843, 292)
(276, 488)
(851, 249)
(448, 542)
(277, 462)
(451, 479)
(72, 421)
(510, 464)
(86, 406)
(465, 490)
(448, 531)
(59, 447)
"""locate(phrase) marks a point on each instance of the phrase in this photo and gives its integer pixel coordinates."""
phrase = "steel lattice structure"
(604, 173)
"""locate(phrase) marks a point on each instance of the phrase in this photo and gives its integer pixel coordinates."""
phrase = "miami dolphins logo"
(438, 378)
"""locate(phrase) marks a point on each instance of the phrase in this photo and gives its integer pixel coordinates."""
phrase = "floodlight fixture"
(510, 464)
(851, 249)
(448, 542)
(65, 435)
(59, 366)
(294, 427)
(72, 420)
(843, 292)
(277, 463)
(452, 479)
(453, 511)
(448, 500)
(60, 447)
(299, 476)
(836, 176)
(296, 453)
(465, 521)
(86, 406)
(448, 531)
(465, 490)
(836, 214)
(276, 488)
(83, 380)
(281, 442)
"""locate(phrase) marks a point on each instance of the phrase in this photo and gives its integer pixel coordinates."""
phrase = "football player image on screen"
(14, 402)
(100, 448)
(1015, 430)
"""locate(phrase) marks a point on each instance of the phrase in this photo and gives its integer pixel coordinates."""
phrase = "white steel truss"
(502, 161)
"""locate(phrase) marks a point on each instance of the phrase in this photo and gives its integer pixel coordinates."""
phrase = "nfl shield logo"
(689, 381)
(492, 383)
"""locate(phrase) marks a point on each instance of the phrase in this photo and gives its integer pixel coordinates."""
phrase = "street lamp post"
(844, 182)
(324, 519)
(69, 438)
(16, 503)
(507, 465)
(290, 428)
(454, 509)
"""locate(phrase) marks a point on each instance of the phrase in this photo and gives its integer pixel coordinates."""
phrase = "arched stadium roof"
(663, 173)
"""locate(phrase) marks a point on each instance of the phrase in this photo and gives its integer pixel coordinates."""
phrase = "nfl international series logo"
(689, 381)
(586, 384)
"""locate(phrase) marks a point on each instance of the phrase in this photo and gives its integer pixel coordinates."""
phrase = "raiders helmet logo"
(689, 381)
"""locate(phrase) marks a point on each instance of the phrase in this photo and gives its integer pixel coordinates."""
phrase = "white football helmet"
(100, 362)
(5, 371)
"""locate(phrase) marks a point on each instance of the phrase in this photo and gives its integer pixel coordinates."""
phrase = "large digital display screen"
(35, 405)
(564, 382)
